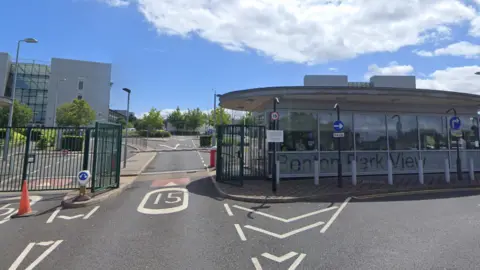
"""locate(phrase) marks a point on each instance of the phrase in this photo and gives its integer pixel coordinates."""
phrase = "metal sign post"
(274, 118)
(338, 128)
(455, 125)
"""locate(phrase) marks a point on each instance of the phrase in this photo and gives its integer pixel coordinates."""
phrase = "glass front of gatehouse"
(370, 138)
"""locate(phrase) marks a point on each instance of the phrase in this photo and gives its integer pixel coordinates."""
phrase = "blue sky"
(175, 52)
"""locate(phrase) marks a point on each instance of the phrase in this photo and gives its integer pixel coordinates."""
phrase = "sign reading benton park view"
(369, 162)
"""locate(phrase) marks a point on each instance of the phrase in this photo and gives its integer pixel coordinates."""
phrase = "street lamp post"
(214, 116)
(14, 86)
(339, 163)
(126, 128)
(459, 161)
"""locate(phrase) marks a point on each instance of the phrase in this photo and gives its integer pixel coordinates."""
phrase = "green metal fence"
(49, 158)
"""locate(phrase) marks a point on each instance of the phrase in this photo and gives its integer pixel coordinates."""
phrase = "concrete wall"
(96, 79)
(5, 63)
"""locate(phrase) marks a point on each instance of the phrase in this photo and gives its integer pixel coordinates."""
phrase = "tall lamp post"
(14, 86)
(214, 116)
(459, 161)
(126, 128)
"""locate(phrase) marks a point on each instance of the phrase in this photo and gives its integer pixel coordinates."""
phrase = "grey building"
(45, 86)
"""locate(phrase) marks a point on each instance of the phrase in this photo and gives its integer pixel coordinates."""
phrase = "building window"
(80, 83)
(327, 142)
(370, 133)
(402, 132)
(299, 131)
(433, 133)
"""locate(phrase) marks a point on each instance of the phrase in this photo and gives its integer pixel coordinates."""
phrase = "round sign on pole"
(275, 116)
(455, 123)
(83, 177)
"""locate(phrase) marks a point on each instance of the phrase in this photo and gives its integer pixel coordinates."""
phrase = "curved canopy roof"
(255, 99)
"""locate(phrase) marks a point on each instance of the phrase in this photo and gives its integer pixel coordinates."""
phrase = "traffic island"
(304, 190)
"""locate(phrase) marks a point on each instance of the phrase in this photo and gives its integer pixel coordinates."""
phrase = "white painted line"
(149, 211)
(280, 259)
(53, 215)
(21, 257)
(332, 219)
(285, 235)
(256, 264)
(91, 212)
(297, 262)
(176, 146)
(229, 211)
(8, 213)
(157, 199)
(240, 232)
(283, 219)
(71, 217)
(44, 255)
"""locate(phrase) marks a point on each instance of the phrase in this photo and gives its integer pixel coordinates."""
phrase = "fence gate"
(241, 153)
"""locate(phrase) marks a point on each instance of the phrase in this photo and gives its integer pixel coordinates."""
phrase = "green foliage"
(205, 140)
(72, 142)
(176, 119)
(222, 117)
(77, 113)
(152, 120)
(248, 119)
(47, 139)
(194, 119)
(154, 133)
(186, 132)
(22, 115)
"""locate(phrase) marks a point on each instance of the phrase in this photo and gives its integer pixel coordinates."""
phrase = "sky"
(176, 52)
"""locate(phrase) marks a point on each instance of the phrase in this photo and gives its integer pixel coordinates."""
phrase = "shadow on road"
(417, 197)
(204, 187)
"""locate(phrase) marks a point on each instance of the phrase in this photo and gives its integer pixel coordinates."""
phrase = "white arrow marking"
(176, 146)
(332, 219)
(256, 264)
(283, 219)
(70, 218)
(229, 211)
(285, 235)
(29, 247)
(171, 184)
(280, 259)
(45, 244)
(91, 212)
(291, 254)
(297, 262)
(240, 232)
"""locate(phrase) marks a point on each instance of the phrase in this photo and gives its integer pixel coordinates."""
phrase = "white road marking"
(53, 215)
(240, 232)
(280, 259)
(149, 211)
(70, 217)
(170, 184)
(21, 257)
(283, 219)
(87, 216)
(176, 146)
(8, 213)
(256, 264)
(297, 261)
(285, 235)
(229, 211)
(200, 156)
(157, 199)
(332, 219)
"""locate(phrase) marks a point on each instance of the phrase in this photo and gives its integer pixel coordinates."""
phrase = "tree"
(194, 119)
(152, 120)
(222, 117)
(76, 113)
(247, 119)
(22, 115)
(176, 119)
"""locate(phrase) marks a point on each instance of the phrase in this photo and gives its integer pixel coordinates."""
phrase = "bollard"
(316, 173)
(471, 171)
(420, 172)
(447, 171)
(354, 172)
(390, 171)
(277, 163)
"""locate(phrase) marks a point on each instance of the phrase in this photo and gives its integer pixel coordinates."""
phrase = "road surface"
(176, 220)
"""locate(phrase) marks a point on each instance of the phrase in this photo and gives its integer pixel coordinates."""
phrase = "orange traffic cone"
(24, 209)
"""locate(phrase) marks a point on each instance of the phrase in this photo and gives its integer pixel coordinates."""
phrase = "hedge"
(154, 133)
(47, 139)
(185, 132)
(205, 140)
(72, 143)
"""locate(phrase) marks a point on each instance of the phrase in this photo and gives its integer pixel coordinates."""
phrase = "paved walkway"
(304, 189)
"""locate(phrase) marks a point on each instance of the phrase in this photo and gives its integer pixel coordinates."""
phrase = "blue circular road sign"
(83, 176)
(338, 125)
(455, 123)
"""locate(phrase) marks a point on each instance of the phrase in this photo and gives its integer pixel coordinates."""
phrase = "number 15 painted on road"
(173, 196)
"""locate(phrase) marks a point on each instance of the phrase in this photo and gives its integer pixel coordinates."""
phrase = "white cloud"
(116, 3)
(458, 79)
(463, 48)
(393, 68)
(332, 69)
(308, 31)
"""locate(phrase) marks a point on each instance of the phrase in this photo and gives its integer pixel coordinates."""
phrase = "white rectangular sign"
(338, 135)
(275, 136)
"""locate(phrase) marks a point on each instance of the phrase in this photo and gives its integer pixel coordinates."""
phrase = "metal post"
(214, 116)
(27, 153)
(86, 150)
(459, 161)
(274, 162)
(339, 145)
(126, 128)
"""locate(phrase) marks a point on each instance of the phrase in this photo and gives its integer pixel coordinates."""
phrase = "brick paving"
(305, 188)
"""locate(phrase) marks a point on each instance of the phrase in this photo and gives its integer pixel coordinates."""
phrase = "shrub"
(47, 139)
(72, 143)
(154, 133)
(205, 140)
(230, 141)
(186, 132)
(35, 134)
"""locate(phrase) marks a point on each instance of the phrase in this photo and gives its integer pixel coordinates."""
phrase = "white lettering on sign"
(173, 196)
(275, 136)
(52, 245)
(338, 135)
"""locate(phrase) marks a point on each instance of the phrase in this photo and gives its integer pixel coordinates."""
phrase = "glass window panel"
(327, 142)
(469, 139)
(370, 133)
(433, 132)
(299, 131)
(402, 132)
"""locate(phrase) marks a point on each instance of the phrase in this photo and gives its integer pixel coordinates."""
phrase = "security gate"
(241, 153)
